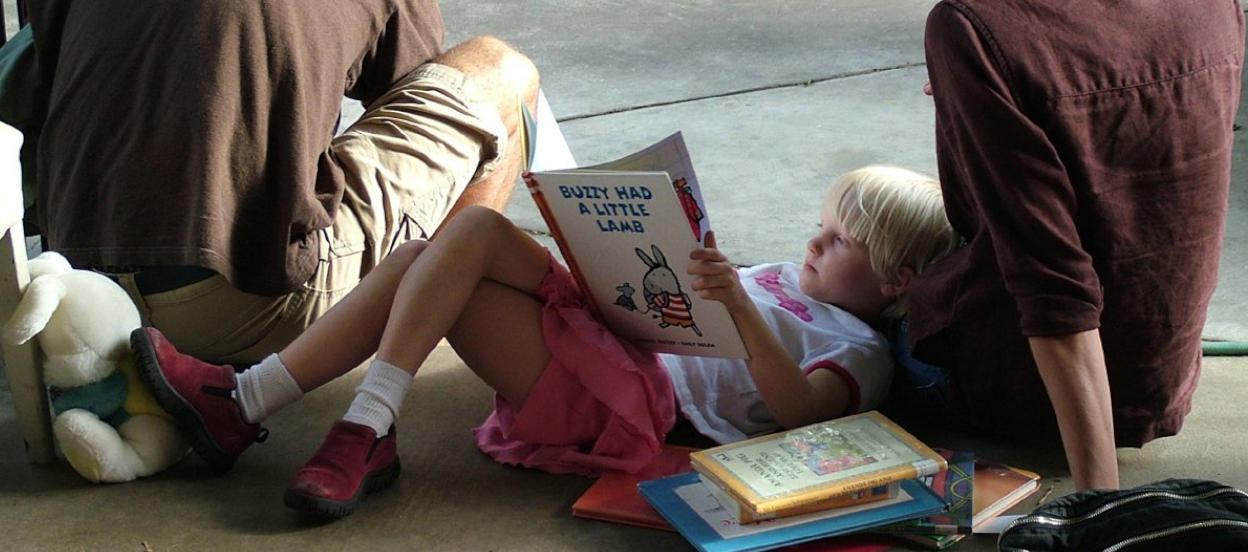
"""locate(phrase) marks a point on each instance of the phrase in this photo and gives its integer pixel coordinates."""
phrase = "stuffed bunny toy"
(107, 424)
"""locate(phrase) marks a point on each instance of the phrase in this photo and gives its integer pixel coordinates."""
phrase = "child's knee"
(479, 221)
(406, 253)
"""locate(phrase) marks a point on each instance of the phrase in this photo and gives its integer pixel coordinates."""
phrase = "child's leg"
(337, 342)
(483, 266)
(478, 245)
(499, 336)
(479, 265)
(350, 331)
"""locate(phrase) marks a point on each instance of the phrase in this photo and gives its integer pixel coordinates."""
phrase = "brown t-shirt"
(1084, 147)
(185, 132)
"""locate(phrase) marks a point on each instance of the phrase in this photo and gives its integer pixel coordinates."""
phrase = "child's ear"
(898, 285)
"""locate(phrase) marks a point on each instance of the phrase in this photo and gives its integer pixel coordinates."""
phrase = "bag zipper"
(1190, 526)
(1052, 521)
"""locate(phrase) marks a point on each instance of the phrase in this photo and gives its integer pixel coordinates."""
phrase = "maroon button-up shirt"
(1084, 147)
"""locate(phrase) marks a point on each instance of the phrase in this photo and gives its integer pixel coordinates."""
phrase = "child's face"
(837, 270)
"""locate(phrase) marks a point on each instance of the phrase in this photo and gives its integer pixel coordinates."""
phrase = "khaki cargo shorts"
(407, 160)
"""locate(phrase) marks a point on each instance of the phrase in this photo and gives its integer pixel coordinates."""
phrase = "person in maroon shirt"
(1084, 149)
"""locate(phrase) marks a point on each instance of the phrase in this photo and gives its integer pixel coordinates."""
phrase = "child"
(572, 397)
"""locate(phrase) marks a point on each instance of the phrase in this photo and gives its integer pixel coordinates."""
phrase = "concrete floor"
(774, 99)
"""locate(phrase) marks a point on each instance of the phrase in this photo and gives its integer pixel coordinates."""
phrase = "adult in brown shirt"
(189, 149)
(1084, 147)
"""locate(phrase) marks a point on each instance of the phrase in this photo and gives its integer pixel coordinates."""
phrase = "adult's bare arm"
(1073, 369)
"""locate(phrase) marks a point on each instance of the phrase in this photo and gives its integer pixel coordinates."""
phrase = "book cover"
(625, 230)
(688, 505)
(614, 497)
(790, 468)
(956, 485)
(744, 514)
(998, 488)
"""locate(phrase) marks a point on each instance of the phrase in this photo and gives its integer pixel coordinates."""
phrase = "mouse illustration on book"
(625, 299)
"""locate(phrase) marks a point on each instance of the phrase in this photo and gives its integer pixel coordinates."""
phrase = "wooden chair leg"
(21, 362)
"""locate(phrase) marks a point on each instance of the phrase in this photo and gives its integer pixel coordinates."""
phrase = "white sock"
(378, 398)
(265, 388)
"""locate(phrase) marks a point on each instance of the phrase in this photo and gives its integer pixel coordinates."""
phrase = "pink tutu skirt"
(602, 404)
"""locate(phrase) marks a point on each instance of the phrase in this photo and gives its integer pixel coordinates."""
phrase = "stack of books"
(842, 476)
(971, 492)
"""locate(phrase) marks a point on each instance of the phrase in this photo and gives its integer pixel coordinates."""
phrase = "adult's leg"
(496, 75)
(436, 143)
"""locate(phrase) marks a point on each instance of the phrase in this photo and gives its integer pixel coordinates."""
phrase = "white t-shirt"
(718, 395)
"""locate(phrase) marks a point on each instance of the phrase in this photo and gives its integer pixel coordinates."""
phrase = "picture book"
(790, 468)
(625, 230)
(744, 514)
(688, 505)
(614, 497)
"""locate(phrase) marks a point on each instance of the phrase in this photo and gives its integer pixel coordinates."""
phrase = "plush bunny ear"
(33, 312)
(645, 258)
(659, 259)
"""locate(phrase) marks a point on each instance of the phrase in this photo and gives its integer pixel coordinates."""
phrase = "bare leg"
(478, 245)
(500, 76)
(499, 336)
(350, 331)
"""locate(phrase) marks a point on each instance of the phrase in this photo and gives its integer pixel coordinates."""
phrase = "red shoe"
(199, 397)
(352, 461)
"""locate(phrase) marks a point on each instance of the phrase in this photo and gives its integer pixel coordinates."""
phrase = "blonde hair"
(898, 214)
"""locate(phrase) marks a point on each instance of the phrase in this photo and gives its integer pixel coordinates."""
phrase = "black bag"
(1168, 516)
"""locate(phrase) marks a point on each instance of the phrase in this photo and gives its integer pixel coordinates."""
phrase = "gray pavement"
(774, 99)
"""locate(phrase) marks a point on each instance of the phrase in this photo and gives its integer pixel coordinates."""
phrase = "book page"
(550, 148)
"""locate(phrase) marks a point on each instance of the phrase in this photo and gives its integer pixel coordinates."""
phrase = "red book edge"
(614, 497)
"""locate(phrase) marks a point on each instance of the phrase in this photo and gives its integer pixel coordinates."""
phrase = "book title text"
(615, 209)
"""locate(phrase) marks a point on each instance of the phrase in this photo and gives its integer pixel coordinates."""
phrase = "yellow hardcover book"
(788, 469)
(744, 514)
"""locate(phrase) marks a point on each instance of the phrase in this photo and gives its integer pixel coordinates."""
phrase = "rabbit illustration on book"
(662, 292)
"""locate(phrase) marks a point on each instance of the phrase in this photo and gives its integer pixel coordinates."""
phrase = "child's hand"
(714, 277)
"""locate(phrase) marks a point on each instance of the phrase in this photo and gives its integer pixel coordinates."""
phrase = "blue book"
(693, 511)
